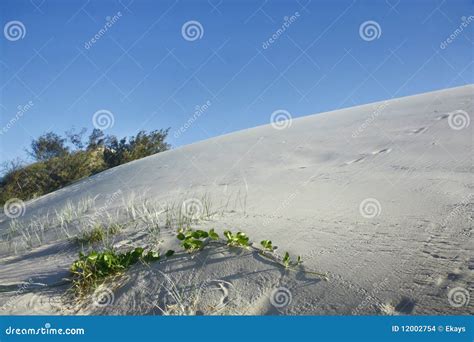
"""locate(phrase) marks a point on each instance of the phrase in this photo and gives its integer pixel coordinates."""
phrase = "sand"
(379, 197)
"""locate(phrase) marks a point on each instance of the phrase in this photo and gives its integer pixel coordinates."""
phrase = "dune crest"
(379, 197)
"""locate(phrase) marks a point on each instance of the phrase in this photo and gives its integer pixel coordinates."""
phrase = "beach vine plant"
(91, 269)
(195, 240)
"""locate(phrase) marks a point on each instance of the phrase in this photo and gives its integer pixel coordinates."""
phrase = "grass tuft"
(98, 233)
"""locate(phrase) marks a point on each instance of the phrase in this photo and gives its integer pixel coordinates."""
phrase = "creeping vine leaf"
(90, 270)
(267, 245)
(213, 235)
(286, 260)
(236, 240)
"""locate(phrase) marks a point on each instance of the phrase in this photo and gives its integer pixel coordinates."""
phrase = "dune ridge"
(379, 197)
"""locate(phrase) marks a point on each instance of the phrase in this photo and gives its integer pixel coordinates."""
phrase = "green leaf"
(181, 236)
(228, 235)
(197, 243)
(92, 255)
(200, 234)
(286, 259)
(169, 253)
(213, 235)
(152, 256)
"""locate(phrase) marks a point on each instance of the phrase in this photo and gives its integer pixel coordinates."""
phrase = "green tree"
(96, 139)
(47, 146)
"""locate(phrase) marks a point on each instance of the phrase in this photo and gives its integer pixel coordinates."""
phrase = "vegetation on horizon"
(61, 160)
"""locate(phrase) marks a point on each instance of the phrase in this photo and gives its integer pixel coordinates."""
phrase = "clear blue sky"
(148, 76)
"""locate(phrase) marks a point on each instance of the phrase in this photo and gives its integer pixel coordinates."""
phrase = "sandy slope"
(302, 187)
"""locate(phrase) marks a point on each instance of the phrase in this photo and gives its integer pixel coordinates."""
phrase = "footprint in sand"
(362, 157)
(384, 150)
(358, 160)
(222, 286)
(417, 130)
(405, 306)
(441, 117)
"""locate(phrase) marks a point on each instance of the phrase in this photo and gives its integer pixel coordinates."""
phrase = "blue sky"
(145, 73)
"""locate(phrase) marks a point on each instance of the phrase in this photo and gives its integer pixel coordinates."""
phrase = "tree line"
(59, 160)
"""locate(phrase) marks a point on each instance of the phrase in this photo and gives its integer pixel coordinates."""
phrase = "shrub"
(90, 270)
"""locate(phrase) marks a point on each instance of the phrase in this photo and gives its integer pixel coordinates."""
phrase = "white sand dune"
(379, 197)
